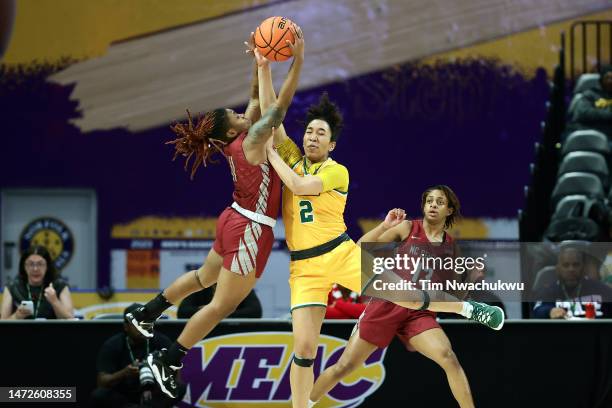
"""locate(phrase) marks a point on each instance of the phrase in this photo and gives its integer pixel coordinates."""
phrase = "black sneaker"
(164, 374)
(136, 318)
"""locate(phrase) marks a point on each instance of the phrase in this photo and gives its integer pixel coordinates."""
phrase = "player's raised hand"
(297, 47)
(253, 51)
(394, 217)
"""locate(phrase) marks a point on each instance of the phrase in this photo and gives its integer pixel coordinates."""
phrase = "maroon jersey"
(434, 256)
(382, 320)
(256, 187)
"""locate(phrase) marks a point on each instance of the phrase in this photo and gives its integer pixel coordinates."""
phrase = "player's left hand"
(394, 217)
(251, 49)
(297, 47)
(50, 294)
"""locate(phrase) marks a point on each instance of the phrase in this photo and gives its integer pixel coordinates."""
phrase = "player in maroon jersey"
(417, 329)
(244, 235)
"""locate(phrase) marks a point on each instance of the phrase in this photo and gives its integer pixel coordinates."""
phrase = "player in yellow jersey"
(321, 251)
(314, 198)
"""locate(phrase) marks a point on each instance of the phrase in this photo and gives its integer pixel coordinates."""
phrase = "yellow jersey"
(312, 220)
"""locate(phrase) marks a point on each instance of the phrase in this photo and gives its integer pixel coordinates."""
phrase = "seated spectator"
(124, 380)
(569, 294)
(343, 304)
(37, 292)
(250, 307)
(594, 109)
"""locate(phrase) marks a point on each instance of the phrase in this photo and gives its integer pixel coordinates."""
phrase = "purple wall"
(470, 125)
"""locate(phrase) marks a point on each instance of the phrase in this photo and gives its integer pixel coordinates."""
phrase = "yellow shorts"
(311, 279)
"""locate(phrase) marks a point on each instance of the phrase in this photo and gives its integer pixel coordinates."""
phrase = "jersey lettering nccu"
(432, 259)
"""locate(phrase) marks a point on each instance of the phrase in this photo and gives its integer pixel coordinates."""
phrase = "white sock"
(466, 310)
(311, 403)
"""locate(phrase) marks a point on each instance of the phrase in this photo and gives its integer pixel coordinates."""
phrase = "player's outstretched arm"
(260, 132)
(393, 228)
(253, 111)
(267, 95)
(291, 82)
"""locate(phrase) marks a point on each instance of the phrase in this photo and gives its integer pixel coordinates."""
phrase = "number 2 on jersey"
(306, 212)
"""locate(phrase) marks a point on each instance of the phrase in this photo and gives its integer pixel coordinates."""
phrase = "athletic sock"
(466, 310)
(311, 403)
(156, 307)
(175, 354)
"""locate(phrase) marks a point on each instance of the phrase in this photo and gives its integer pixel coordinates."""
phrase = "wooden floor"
(148, 82)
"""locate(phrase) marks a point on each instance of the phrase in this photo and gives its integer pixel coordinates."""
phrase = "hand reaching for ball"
(297, 47)
(251, 49)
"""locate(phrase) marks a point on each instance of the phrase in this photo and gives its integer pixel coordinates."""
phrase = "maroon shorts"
(245, 245)
(381, 320)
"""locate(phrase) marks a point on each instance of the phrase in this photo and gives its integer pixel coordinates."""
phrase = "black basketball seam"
(278, 51)
(272, 30)
(280, 39)
(267, 44)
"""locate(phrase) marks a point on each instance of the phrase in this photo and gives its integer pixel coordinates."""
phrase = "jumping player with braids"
(314, 198)
(244, 235)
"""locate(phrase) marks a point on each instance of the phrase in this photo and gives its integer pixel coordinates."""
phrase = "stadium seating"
(577, 183)
(588, 162)
(544, 277)
(575, 206)
(573, 228)
(586, 81)
(586, 140)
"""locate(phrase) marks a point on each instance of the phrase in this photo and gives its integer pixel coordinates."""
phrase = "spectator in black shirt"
(250, 307)
(37, 292)
(122, 382)
(568, 296)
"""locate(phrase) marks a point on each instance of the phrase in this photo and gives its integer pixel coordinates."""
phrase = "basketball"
(271, 36)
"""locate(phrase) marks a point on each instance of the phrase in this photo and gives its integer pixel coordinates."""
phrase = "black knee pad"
(426, 301)
(303, 362)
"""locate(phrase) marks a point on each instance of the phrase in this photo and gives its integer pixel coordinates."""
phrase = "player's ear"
(231, 133)
(332, 146)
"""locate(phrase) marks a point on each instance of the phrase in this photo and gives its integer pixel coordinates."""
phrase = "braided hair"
(329, 112)
(204, 139)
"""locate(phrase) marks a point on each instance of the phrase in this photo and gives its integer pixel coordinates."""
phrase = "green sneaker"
(490, 316)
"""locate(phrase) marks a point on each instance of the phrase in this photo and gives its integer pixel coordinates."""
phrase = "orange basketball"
(271, 36)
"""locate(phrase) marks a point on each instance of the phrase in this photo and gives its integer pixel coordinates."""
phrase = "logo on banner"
(252, 369)
(51, 233)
